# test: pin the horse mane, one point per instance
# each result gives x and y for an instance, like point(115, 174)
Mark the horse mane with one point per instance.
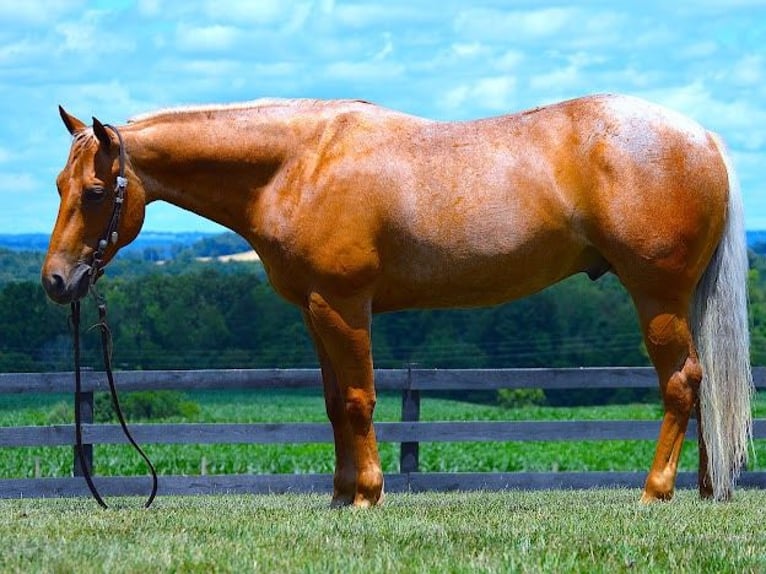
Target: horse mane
point(259, 104)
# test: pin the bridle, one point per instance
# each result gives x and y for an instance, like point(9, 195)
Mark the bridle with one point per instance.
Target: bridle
point(110, 236)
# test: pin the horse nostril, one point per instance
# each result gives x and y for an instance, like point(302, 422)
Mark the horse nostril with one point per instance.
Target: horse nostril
point(54, 284)
point(57, 282)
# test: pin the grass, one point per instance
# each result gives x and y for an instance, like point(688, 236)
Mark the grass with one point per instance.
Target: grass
point(579, 531)
point(575, 531)
point(308, 406)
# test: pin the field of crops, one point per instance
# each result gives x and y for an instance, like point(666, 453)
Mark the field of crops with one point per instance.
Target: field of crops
point(306, 406)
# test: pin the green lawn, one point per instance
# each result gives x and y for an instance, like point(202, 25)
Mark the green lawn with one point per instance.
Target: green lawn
point(580, 531)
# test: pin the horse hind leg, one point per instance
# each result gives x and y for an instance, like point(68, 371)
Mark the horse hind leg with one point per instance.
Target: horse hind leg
point(670, 345)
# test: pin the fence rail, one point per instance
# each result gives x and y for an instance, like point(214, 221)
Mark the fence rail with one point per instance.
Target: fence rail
point(409, 433)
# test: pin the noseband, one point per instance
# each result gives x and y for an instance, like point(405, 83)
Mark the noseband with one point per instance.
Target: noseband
point(110, 236)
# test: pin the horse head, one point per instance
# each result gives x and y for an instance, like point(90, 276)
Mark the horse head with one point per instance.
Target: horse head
point(101, 209)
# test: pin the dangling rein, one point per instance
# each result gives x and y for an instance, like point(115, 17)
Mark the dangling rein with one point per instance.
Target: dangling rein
point(106, 342)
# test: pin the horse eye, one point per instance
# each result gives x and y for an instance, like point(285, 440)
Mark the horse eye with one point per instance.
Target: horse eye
point(95, 193)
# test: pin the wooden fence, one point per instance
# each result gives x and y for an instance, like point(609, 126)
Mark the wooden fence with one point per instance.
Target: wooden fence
point(409, 433)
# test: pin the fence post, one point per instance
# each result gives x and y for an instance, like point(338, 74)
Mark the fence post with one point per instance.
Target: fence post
point(409, 453)
point(86, 416)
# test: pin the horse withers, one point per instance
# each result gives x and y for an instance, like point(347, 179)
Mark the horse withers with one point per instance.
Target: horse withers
point(355, 209)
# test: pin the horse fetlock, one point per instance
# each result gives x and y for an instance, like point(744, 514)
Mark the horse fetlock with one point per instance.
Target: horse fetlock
point(659, 486)
point(369, 488)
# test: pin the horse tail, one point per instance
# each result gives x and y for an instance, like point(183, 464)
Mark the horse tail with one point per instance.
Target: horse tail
point(721, 334)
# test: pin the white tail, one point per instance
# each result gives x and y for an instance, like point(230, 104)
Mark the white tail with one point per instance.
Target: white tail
point(721, 334)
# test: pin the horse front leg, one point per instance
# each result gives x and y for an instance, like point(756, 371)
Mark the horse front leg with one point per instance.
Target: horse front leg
point(344, 478)
point(342, 329)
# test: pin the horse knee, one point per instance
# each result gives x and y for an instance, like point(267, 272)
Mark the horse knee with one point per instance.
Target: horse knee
point(360, 405)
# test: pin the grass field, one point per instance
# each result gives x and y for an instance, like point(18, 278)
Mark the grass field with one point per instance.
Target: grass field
point(579, 531)
point(554, 531)
point(287, 406)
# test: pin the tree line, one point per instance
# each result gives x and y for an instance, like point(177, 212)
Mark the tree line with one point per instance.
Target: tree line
point(191, 315)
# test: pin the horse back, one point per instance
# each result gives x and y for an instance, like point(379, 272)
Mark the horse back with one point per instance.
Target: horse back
point(422, 213)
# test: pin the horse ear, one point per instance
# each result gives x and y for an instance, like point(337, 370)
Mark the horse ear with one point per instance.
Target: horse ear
point(102, 135)
point(72, 123)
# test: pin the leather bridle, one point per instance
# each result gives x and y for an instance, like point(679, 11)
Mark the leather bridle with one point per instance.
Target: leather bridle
point(110, 236)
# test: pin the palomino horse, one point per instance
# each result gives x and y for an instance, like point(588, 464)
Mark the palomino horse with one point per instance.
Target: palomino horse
point(355, 209)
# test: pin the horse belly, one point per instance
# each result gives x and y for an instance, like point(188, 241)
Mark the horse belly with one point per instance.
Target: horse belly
point(422, 275)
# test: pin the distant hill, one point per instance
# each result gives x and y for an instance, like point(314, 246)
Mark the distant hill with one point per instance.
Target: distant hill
point(21, 256)
point(165, 244)
point(757, 239)
point(24, 241)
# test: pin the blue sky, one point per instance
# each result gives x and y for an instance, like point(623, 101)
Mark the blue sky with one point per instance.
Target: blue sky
point(445, 60)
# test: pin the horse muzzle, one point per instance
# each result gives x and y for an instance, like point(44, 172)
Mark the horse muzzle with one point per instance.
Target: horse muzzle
point(66, 286)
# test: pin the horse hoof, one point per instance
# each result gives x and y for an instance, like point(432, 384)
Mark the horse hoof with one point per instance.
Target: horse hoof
point(362, 501)
point(341, 501)
point(651, 497)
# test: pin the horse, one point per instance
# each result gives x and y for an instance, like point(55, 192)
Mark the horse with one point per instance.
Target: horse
point(355, 209)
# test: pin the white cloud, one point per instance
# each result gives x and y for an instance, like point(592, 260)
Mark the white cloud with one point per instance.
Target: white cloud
point(211, 68)
point(749, 71)
point(504, 25)
point(36, 12)
point(702, 49)
point(467, 50)
point(260, 12)
point(386, 50)
point(15, 52)
point(556, 80)
point(599, 29)
point(214, 38)
point(149, 8)
point(18, 183)
point(741, 122)
point(490, 94)
point(365, 15)
point(510, 60)
point(244, 10)
point(327, 6)
point(719, 6)
point(496, 93)
point(363, 71)
point(109, 101)
point(632, 78)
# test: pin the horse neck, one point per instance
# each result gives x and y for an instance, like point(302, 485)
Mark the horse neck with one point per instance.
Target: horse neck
point(216, 163)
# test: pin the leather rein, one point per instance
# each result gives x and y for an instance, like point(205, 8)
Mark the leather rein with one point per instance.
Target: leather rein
point(110, 236)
